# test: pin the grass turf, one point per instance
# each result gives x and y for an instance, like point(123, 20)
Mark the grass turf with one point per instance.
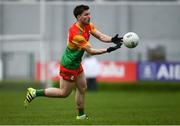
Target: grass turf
point(126, 104)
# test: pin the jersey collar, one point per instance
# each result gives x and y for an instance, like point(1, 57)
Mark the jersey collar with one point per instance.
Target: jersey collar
point(82, 29)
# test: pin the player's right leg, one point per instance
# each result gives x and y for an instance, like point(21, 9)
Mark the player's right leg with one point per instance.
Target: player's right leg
point(81, 86)
point(62, 92)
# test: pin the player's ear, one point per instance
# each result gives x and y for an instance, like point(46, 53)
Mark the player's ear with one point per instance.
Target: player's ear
point(78, 17)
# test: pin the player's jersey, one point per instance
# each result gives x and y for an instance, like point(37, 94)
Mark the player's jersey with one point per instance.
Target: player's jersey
point(76, 43)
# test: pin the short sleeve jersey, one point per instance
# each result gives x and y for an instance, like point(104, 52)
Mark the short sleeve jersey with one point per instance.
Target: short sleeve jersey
point(78, 39)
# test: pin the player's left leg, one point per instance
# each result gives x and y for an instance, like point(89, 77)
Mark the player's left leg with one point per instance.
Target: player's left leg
point(65, 89)
point(80, 95)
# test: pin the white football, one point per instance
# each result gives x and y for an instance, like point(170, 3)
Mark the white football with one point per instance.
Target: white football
point(130, 40)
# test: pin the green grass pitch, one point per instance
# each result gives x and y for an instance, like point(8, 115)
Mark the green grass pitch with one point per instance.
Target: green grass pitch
point(122, 105)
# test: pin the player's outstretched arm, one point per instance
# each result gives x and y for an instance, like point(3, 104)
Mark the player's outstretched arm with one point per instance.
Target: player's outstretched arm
point(102, 37)
point(93, 51)
point(105, 38)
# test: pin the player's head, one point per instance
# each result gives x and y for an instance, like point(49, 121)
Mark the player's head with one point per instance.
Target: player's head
point(82, 14)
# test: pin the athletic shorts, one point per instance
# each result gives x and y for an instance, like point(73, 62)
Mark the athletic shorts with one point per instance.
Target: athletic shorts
point(68, 74)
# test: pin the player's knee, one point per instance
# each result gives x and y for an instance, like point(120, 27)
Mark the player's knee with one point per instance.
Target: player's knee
point(84, 89)
point(64, 94)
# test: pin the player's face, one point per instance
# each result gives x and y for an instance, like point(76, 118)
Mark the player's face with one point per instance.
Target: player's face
point(84, 18)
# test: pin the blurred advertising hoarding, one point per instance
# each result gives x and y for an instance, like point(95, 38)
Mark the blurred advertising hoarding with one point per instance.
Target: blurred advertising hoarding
point(109, 71)
point(161, 71)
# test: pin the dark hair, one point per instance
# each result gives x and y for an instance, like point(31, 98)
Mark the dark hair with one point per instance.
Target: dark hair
point(78, 10)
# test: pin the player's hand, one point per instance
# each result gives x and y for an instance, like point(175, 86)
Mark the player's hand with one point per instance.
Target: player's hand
point(119, 44)
point(110, 49)
point(116, 39)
